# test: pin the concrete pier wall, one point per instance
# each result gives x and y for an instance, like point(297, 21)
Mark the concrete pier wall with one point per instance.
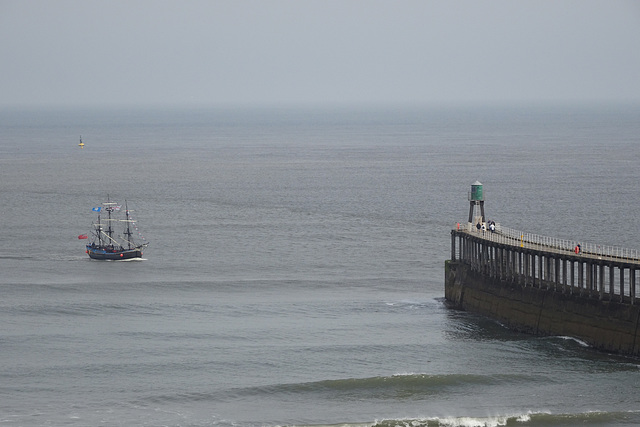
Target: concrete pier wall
point(543, 291)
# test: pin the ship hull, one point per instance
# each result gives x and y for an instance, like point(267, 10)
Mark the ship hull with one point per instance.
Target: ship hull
point(106, 254)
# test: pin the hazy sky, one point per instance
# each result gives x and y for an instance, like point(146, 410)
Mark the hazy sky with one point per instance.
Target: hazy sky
point(151, 52)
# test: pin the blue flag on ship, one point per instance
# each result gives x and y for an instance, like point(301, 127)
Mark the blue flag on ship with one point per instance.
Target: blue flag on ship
point(98, 209)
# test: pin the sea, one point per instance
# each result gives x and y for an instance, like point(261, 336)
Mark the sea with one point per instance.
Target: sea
point(295, 268)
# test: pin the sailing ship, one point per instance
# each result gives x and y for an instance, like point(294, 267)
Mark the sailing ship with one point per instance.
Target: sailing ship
point(106, 243)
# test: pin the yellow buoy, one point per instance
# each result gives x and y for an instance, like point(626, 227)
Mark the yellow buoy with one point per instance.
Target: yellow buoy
point(81, 143)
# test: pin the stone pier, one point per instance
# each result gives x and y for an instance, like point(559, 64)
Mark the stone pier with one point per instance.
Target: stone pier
point(547, 286)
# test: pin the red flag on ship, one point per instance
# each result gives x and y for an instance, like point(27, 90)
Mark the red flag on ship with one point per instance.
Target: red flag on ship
point(83, 236)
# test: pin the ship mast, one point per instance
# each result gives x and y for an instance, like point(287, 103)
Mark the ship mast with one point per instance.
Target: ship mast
point(128, 231)
point(110, 229)
point(99, 231)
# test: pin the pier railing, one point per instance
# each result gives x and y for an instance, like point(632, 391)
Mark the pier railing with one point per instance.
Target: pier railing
point(506, 235)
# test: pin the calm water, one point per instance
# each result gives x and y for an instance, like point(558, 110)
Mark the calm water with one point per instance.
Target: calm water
point(295, 268)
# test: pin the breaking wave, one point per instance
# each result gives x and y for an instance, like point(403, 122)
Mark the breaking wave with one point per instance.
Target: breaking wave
point(597, 418)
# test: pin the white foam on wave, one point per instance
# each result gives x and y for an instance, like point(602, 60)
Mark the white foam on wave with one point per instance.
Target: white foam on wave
point(582, 343)
point(473, 421)
point(457, 421)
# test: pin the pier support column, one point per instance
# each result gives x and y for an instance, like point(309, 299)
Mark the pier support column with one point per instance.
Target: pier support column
point(632, 285)
point(453, 247)
point(548, 270)
point(540, 281)
point(467, 249)
point(521, 275)
point(532, 272)
point(487, 259)
point(600, 280)
point(474, 255)
point(463, 248)
point(573, 277)
point(621, 284)
point(507, 263)
point(540, 259)
point(512, 265)
point(581, 277)
point(612, 281)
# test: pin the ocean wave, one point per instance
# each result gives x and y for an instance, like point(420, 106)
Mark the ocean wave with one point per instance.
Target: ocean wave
point(400, 386)
point(87, 309)
point(525, 419)
point(403, 380)
point(576, 340)
point(404, 386)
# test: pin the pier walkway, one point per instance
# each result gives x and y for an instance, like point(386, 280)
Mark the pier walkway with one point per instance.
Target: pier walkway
point(603, 272)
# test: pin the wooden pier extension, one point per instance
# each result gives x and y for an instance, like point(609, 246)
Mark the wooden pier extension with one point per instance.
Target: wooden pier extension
point(545, 286)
